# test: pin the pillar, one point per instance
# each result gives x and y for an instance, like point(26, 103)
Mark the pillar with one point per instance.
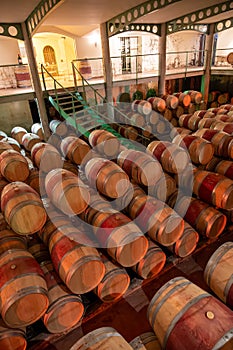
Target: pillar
point(207, 73)
point(162, 59)
point(36, 82)
point(107, 65)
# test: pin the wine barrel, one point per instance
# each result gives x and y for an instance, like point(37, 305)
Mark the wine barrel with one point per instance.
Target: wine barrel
point(184, 99)
point(65, 309)
point(14, 144)
point(164, 188)
point(158, 104)
point(173, 158)
point(75, 260)
point(29, 140)
point(51, 225)
point(102, 338)
point(66, 191)
point(10, 240)
point(200, 150)
point(225, 127)
point(136, 119)
point(215, 189)
point(207, 123)
point(13, 166)
point(142, 107)
point(37, 129)
point(68, 165)
point(196, 96)
point(23, 289)
point(114, 283)
point(147, 130)
point(17, 133)
point(122, 238)
point(171, 101)
point(208, 221)
point(22, 208)
point(152, 263)
point(189, 121)
point(46, 157)
point(224, 167)
point(182, 313)
point(3, 135)
point(218, 273)
point(12, 339)
point(223, 143)
point(167, 114)
point(146, 341)
point(59, 128)
point(38, 249)
point(75, 149)
point(128, 132)
point(187, 243)
point(107, 177)
point(55, 141)
point(156, 218)
point(104, 142)
point(140, 167)
point(178, 111)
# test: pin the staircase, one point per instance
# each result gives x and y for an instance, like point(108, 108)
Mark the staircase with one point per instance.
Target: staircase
point(73, 107)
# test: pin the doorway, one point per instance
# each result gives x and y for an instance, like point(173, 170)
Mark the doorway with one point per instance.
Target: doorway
point(50, 60)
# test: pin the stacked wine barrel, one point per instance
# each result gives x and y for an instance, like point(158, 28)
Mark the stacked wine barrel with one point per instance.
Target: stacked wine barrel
point(81, 216)
point(156, 115)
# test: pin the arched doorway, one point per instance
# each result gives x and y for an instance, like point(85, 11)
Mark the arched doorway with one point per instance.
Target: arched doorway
point(50, 60)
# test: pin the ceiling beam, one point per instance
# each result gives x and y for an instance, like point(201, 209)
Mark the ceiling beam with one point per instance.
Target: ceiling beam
point(11, 30)
point(117, 23)
point(39, 13)
point(197, 16)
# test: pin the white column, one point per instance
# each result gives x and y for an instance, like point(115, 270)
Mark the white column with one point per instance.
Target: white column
point(36, 82)
point(162, 59)
point(107, 66)
point(207, 73)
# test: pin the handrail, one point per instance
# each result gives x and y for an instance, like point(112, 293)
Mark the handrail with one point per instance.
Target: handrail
point(84, 81)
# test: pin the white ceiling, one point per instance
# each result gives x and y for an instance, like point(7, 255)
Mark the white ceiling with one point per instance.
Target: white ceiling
point(78, 17)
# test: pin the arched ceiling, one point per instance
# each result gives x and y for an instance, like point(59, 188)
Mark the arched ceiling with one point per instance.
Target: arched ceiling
point(78, 17)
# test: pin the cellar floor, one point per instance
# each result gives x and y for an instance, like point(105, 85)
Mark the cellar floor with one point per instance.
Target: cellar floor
point(129, 314)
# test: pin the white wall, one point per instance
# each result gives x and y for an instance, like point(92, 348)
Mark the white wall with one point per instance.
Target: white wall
point(178, 42)
point(9, 49)
point(225, 39)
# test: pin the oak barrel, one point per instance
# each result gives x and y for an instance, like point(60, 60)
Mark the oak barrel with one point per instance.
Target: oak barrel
point(46, 157)
point(10, 240)
point(207, 220)
point(218, 273)
point(104, 142)
point(13, 143)
point(200, 150)
point(23, 289)
point(65, 309)
point(102, 338)
point(146, 341)
point(66, 191)
point(152, 263)
point(22, 208)
point(75, 149)
point(29, 140)
point(12, 338)
point(107, 177)
point(13, 166)
point(173, 158)
point(158, 104)
point(156, 218)
point(115, 282)
point(37, 129)
point(182, 314)
point(140, 167)
point(187, 243)
point(213, 188)
point(59, 128)
point(17, 133)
